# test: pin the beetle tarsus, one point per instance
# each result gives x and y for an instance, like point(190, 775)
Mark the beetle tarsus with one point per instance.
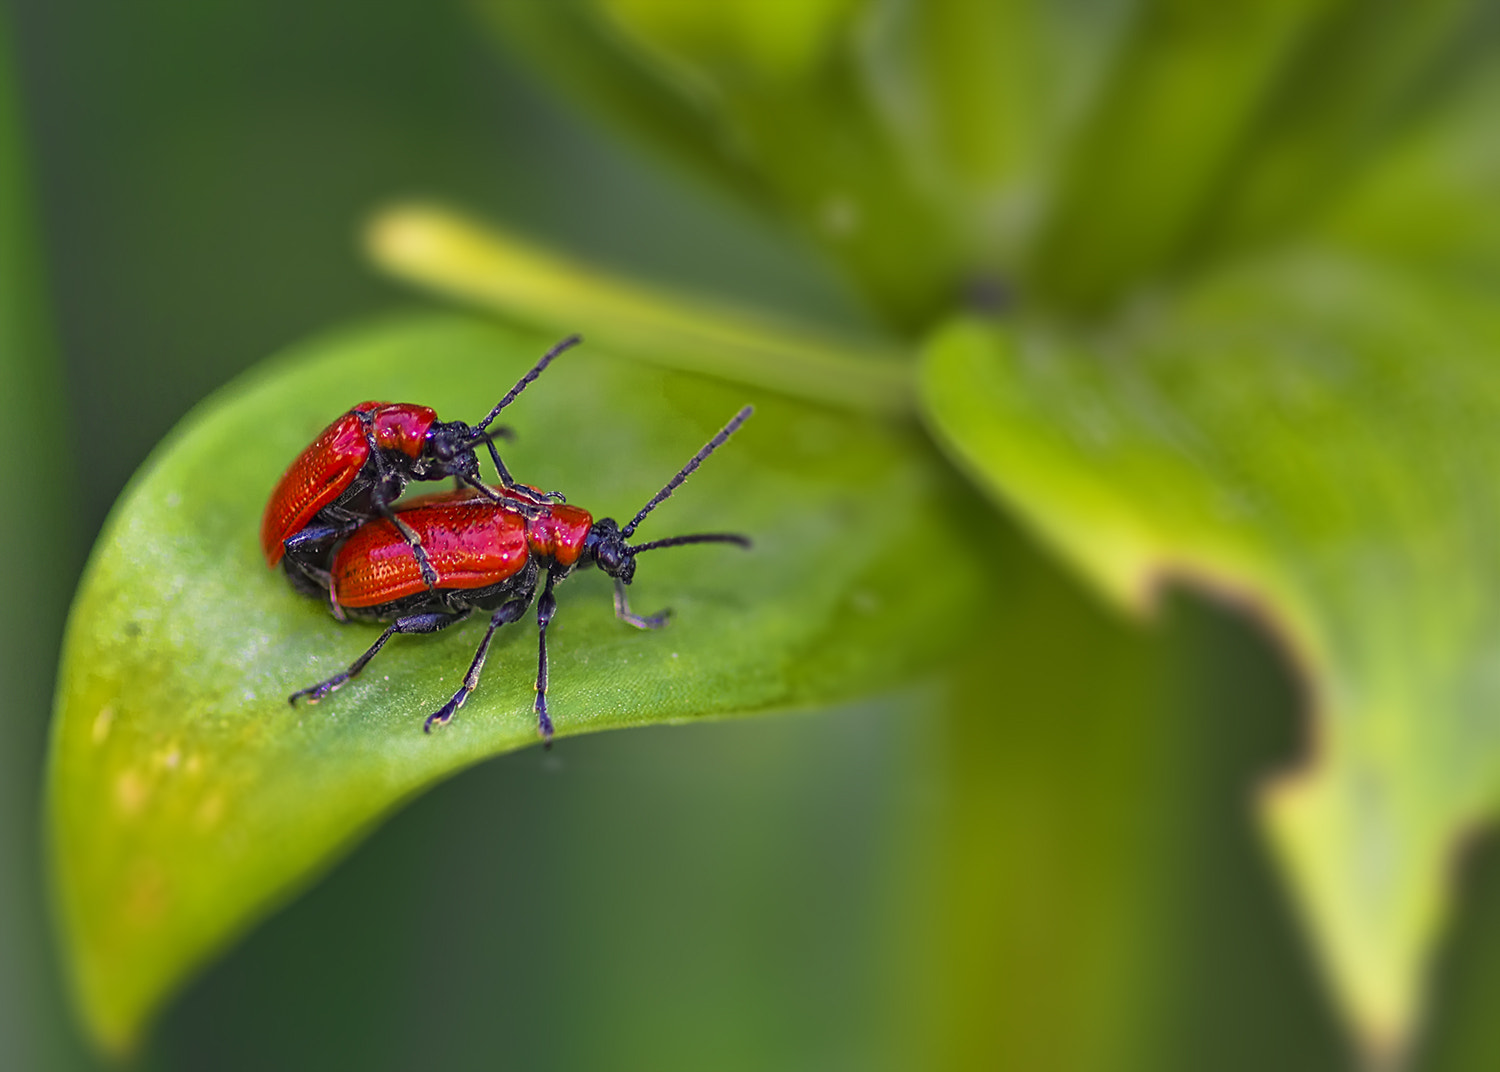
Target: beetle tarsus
point(546, 607)
point(543, 721)
point(429, 575)
point(507, 613)
point(320, 690)
point(412, 623)
point(640, 621)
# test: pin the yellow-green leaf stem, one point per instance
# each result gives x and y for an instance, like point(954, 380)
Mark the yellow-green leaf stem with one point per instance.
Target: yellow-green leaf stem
point(188, 798)
point(1316, 437)
point(444, 251)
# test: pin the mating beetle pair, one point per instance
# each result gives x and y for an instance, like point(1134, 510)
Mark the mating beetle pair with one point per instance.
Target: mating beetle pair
point(359, 466)
point(429, 563)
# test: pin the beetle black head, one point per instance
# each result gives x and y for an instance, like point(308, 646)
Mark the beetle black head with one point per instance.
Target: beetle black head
point(607, 541)
point(449, 451)
point(609, 550)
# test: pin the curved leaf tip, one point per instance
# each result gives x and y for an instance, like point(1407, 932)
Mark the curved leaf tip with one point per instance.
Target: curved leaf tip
point(187, 797)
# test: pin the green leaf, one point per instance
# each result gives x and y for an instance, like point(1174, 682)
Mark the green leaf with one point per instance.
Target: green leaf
point(1312, 437)
point(747, 39)
point(567, 42)
point(786, 121)
point(983, 97)
point(188, 797)
point(1361, 80)
point(1190, 82)
point(1429, 198)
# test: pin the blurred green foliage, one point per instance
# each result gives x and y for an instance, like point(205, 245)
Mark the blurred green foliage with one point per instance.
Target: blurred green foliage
point(1291, 485)
point(1053, 866)
point(1191, 208)
point(40, 551)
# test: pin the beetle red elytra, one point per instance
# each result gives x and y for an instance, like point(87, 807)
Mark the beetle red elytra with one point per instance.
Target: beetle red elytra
point(490, 556)
point(360, 464)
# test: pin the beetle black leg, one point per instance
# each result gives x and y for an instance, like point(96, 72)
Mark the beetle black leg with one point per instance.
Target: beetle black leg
point(429, 575)
point(500, 432)
point(623, 612)
point(301, 552)
point(529, 507)
point(507, 613)
point(546, 606)
point(510, 481)
point(367, 422)
point(382, 505)
point(412, 623)
point(307, 579)
point(505, 477)
point(318, 538)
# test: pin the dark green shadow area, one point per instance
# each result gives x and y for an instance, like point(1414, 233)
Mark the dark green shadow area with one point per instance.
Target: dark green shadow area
point(1102, 899)
point(39, 554)
point(1462, 1032)
point(654, 899)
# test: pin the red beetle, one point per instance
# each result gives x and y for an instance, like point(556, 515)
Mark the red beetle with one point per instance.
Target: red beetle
point(359, 466)
point(489, 557)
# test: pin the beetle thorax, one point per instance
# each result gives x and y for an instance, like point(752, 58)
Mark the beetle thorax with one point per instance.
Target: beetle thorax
point(403, 427)
point(558, 533)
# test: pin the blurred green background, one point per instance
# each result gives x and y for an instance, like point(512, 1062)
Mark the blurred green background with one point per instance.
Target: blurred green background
point(1060, 872)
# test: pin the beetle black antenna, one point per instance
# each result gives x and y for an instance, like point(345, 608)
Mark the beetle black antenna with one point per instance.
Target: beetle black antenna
point(503, 432)
point(525, 382)
point(700, 537)
point(682, 474)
